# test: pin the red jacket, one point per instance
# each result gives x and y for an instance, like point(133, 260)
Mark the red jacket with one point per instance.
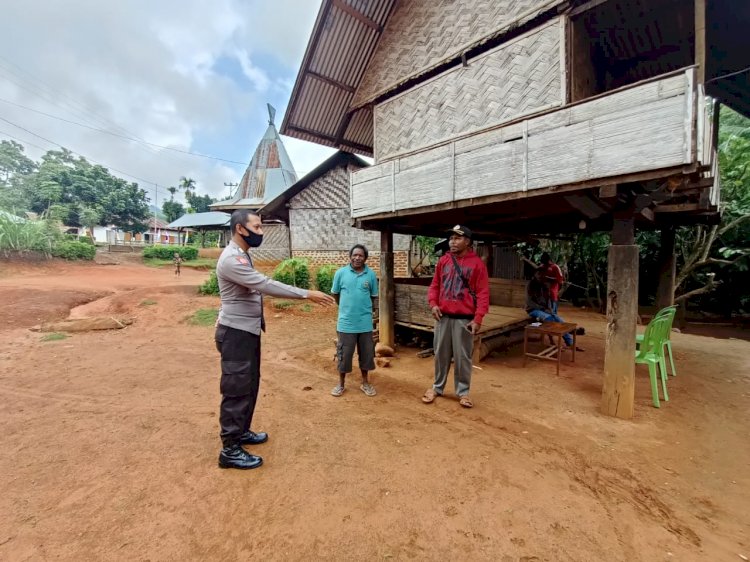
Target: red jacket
point(554, 277)
point(449, 293)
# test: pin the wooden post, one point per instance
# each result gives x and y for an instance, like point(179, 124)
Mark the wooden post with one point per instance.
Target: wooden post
point(618, 389)
point(700, 40)
point(667, 268)
point(387, 322)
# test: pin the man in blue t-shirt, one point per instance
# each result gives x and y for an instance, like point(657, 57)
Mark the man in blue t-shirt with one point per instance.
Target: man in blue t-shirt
point(354, 287)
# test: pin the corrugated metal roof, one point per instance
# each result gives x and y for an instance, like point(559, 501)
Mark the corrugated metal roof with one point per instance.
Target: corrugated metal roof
point(343, 40)
point(269, 173)
point(197, 220)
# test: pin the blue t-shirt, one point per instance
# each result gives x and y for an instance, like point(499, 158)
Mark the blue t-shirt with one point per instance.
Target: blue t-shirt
point(355, 290)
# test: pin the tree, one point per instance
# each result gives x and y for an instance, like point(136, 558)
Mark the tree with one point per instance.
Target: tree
point(711, 255)
point(198, 203)
point(13, 161)
point(90, 217)
point(172, 210)
point(68, 184)
point(172, 190)
point(188, 185)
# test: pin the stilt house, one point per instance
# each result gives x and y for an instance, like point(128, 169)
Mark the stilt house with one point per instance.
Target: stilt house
point(529, 116)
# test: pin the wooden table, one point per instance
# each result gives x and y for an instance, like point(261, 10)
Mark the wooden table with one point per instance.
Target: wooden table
point(552, 352)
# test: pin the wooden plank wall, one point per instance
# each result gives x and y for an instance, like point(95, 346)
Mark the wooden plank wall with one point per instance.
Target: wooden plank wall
point(640, 128)
point(412, 306)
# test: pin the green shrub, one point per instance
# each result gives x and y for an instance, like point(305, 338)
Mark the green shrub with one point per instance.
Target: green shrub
point(324, 278)
point(160, 252)
point(282, 305)
point(18, 235)
point(294, 271)
point(211, 286)
point(70, 250)
point(87, 240)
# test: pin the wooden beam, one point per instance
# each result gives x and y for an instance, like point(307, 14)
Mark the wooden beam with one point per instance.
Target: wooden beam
point(677, 208)
point(585, 7)
point(330, 81)
point(700, 40)
point(359, 16)
point(345, 120)
point(608, 191)
point(387, 293)
point(329, 138)
point(618, 388)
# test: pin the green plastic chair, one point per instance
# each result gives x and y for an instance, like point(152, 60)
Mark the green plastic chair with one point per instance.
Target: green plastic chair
point(651, 353)
point(667, 312)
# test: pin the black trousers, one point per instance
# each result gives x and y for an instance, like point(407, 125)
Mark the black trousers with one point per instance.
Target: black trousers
point(240, 381)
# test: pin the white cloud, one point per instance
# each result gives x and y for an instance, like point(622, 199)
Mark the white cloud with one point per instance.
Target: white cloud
point(148, 69)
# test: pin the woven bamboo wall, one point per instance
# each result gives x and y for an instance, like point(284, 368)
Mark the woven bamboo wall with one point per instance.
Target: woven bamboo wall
point(516, 79)
point(320, 219)
point(646, 127)
point(275, 245)
point(420, 34)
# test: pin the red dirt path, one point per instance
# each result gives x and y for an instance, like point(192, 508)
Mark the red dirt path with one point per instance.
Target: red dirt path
point(110, 441)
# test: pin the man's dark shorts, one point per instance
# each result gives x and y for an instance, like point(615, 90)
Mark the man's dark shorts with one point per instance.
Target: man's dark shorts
point(365, 351)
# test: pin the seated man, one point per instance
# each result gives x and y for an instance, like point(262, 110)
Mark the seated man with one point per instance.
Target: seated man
point(538, 303)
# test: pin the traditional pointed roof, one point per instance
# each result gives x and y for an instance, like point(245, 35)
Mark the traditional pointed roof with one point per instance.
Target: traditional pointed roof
point(269, 174)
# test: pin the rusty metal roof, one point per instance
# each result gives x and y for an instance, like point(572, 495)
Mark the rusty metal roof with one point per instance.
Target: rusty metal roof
point(268, 175)
point(343, 40)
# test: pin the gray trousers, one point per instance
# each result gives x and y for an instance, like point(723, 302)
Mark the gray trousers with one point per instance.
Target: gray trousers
point(453, 341)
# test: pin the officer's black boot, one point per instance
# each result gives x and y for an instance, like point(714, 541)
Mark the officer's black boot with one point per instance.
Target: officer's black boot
point(234, 456)
point(252, 438)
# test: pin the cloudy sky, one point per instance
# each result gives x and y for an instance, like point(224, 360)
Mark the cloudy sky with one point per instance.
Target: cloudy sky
point(188, 74)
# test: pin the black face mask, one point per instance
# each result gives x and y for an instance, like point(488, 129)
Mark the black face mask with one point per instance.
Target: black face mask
point(252, 239)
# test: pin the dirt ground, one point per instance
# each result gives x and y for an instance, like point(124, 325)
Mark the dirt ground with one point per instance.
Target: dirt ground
point(110, 442)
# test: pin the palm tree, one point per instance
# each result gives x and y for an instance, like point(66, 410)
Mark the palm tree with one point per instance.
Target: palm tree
point(187, 184)
point(172, 190)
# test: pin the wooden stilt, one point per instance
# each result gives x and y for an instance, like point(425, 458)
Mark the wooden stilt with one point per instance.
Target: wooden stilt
point(618, 388)
point(667, 269)
point(387, 322)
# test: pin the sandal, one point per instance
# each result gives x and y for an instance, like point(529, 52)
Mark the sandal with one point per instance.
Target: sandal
point(466, 402)
point(337, 391)
point(368, 389)
point(429, 396)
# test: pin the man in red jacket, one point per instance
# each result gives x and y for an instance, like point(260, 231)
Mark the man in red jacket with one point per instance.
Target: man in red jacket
point(554, 278)
point(459, 297)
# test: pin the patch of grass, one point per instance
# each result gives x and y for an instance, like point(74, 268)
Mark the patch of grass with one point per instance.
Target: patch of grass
point(204, 317)
point(55, 336)
point(148, 302)
point(306, 308)
point(282, 305)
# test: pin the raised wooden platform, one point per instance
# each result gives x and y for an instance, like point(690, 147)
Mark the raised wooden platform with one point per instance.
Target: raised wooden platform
point(413, 311)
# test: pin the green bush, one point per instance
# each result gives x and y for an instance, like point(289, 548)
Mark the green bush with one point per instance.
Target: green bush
point(18, 235)
point(160, 252)
point(86, 240)
point(324, 278)
point(70, 250)
point(211, 286)
point(294, 271)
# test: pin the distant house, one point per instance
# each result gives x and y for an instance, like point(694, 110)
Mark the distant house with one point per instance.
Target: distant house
point(317, 212)
point(159, 232)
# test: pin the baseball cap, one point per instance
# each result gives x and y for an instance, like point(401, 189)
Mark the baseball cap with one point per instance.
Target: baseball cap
point(461, 230)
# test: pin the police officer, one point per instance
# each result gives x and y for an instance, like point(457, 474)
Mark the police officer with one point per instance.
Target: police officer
point(238, 336)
